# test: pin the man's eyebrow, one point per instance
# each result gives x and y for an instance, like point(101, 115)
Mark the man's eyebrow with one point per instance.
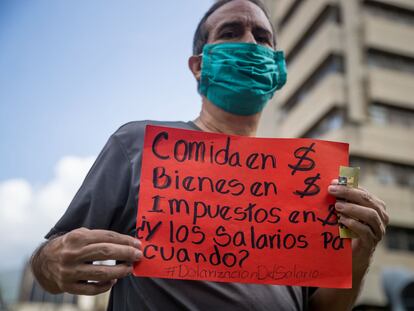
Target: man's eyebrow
point(263, 30)
point(230, 24)
point(238, 24)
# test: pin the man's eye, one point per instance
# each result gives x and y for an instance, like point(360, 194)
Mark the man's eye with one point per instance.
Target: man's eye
point(262, 39)
point(228, 34)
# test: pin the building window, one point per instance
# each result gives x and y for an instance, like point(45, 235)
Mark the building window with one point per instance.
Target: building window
point(400, 238)
point(387, 115)
point(378, 114)
point(332, 121)
point(388, 174)
point(389, 11)
point(329, 14)
point(382, 59)
point(333, 64)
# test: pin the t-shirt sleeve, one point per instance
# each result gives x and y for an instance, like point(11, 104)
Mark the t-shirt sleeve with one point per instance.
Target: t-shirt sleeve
point(103, 193)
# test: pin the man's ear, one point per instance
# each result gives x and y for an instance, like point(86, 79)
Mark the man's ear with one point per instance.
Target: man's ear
point(194, 63)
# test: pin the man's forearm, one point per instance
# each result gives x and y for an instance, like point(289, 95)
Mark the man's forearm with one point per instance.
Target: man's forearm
point(333, 299)
point(338, 299)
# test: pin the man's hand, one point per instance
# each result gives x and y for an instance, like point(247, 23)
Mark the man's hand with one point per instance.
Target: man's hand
point(64, 264)
point(365, 215)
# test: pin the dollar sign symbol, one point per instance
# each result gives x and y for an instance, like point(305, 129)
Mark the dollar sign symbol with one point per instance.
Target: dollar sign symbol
point(331, 219)
point(305, 163)
point(311, 189)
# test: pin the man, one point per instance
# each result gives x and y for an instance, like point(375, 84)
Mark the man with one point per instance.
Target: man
point(240, 53)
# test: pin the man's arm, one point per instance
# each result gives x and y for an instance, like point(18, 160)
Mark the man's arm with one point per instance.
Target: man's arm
point(366, 215)
point(338, 299)
point(64, 264)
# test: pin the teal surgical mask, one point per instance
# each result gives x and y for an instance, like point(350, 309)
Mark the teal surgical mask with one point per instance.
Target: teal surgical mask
point(241, 78)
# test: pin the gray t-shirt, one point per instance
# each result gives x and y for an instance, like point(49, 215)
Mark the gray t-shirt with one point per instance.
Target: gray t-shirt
point(108, 200)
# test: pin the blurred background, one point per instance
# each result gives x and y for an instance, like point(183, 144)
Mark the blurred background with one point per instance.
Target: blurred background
point(351, 79)
point(72, 72)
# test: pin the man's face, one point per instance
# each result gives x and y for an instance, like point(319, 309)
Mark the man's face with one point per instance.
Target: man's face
point(240, 21)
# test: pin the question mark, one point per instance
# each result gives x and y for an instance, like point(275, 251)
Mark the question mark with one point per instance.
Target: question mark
point(243, 258)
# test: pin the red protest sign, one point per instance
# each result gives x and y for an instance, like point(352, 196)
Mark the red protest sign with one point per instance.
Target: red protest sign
point(239, 209)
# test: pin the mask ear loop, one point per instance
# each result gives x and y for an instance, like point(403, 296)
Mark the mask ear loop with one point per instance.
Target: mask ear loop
point(201, 62)
point(281, 69)
point(201, 66)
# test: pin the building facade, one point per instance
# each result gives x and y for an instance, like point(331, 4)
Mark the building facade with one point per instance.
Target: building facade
point(351, 79)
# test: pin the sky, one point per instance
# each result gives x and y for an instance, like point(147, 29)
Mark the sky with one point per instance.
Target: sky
point(71, 73)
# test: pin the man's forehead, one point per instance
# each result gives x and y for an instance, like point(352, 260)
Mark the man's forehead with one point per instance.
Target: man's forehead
point(244, 12)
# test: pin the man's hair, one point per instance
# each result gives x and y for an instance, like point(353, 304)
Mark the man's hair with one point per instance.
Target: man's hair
point(201, 34)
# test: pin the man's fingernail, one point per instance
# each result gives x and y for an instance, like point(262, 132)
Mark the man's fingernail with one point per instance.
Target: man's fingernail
point(137, 244)
point(333, 189)
point(339, 206)
point(138, 255)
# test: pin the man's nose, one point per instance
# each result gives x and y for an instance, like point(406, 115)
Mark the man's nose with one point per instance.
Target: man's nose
point(248, 37)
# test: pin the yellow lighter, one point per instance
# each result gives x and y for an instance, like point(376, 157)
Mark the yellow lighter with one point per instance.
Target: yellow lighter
point(348, 176)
